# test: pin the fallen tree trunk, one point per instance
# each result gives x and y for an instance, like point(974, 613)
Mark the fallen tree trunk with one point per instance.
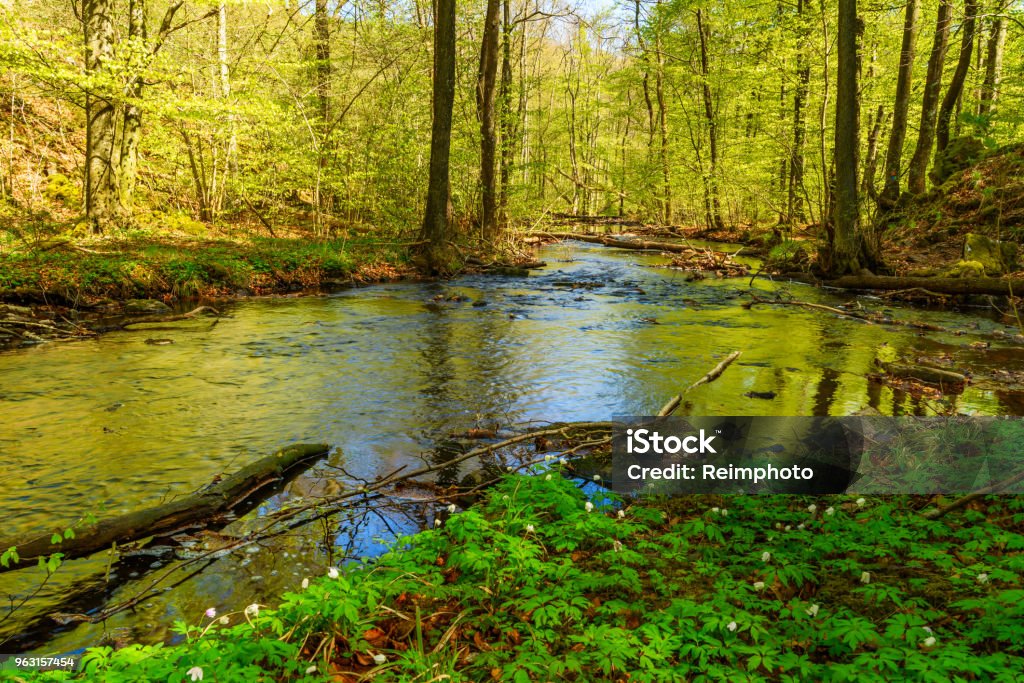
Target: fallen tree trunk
point(923, 373)
point(939, 285)
point(211, 508)
point(636, 243)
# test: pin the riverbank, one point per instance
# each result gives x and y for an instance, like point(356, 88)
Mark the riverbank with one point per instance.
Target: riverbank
point(540, 582)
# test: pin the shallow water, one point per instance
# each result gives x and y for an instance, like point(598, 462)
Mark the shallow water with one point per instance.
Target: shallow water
point(386, 372)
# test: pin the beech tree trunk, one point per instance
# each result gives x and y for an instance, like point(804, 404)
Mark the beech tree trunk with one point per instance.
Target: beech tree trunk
point(894, 153)
point(101, 161)
point(659, 89)
point(437, 216)
point(715, 219)
point(506, 119)
point(956, 84)
point(846, 244)
point(795, 205)
point(993, 66)
point(933, 86)
point(486, 86)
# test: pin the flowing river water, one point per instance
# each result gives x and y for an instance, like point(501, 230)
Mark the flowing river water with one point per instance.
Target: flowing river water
point(384, 374)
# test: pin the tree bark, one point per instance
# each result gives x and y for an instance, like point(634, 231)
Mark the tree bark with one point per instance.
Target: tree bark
point(437, 216)
point(704, 32)
point(993, 66)
point(846, 244)
point(795, 208)
point(211, 508)
point(933, 85)
point(485, 91)
point(894, 154)
point(867, 184)
point(507, 121)
point(956, 84)
point(101, 195)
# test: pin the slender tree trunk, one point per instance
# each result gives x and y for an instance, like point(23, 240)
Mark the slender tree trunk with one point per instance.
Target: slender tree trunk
point(709, 114)
point(993, 66)
point(322, 48)
point(932, 88)
point(894, 154)
point(659, 88)
point(867, 185)
point(507, 121)
point(846, 244)
point(795, 208)
point(437, 217)
point(486, 86)
point(956, 84)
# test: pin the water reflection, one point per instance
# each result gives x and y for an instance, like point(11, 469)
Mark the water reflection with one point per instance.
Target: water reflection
point(387, 374)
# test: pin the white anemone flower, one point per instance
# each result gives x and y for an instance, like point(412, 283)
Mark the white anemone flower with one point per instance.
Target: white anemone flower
point(621, 514)
point(759, 585)
point(379, 659)
point(195, 673)
point(812, 611)
point(332, 573)
point(311, 669)
point(732, 626)
point(865, 577)
point(451, 508)
point(812, 508)
point(597, 477)
point(929, 641)
point(211, 613)
point(589, 507)
point(305, 584)
point(252, 610)
point(530, 528)
point(766, 556)
point(830, 511)
point(983, 578)
point(861, 502)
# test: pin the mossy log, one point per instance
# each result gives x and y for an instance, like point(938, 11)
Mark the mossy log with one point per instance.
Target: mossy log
point(210, 508)
point(970, 285)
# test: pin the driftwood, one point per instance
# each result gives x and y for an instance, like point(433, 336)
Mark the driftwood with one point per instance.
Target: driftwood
point(923, 373)
point(211, 508)
point(714, 374)
point(936, 513)
point(938, 285)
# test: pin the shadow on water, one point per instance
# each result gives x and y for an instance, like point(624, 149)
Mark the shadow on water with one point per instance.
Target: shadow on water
point(391, 375)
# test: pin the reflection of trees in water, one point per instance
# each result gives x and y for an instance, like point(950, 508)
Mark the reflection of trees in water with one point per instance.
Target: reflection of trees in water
point(462, 362)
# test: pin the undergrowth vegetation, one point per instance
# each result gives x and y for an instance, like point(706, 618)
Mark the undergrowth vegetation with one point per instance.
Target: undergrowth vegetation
point(541, 583)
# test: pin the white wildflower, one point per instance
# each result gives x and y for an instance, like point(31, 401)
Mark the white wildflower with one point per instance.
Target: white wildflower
point(778, 525)
point(589, 507)
point(801, 526)
point(789, 527)
point(861, 502)
point(547, 477)
point(929, 641)
point(305, 584)
point(211, 613)
point(714, 511)
point(451, 508)
point(983, 578)
point(509, 468)
point(759, 585)
point(530, 528)
point(379, 659)
point(812, 611)
point(548, 457)
point(725, 512)
point(561, 461)
point(732, 626)
point(621, 514)
point(812, 508)
point(865, 577)
point(927, 629)
point(617, 545)
point(830, 511)
point(766, 556)
point(252, 610)
point(311, 669)
point(597, 477)
point(437, 522)
point(225, 620)
point(332, 573)
point(195, 673)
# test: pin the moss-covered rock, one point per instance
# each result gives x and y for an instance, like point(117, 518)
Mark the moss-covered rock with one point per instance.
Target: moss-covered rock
point(145, 306)
point(959, 154)
point(995, 257)
point(966, 269)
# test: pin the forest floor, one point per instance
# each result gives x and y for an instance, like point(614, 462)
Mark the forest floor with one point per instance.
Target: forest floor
point(537, 582)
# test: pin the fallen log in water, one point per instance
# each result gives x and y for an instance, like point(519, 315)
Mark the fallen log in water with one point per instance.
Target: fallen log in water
point(211, 508)
point(938, 285)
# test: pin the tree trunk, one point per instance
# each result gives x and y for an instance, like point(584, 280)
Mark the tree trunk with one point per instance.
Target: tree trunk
point(485, 90)
point(993, 66)
point(101, 196)
point(437, 216)
point(709, 114)
point(507, 121)
point(795, 207)
point(211, 508)
point(845, 249)
point(659, 89)
point(867, 184)
point(956, 85)
point(894, 154)
point(929, 105)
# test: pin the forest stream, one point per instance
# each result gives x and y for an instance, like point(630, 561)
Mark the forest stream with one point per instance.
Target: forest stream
point(386, 373)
